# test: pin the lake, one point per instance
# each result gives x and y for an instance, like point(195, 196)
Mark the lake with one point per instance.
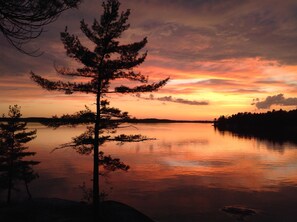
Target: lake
point(188, 173)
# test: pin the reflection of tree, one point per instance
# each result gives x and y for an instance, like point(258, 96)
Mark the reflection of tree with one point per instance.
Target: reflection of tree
point(109, 62)
point(13, 167)
point(271, 141)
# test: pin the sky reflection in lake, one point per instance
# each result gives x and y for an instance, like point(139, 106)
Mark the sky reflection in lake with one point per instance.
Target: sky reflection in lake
point(188, 173)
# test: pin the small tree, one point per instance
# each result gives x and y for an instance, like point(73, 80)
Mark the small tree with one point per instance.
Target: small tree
point(13, 166)
point(109, 62)
point(22, 21)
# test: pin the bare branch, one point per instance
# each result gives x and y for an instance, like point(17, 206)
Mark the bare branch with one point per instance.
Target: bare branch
point(23, 21)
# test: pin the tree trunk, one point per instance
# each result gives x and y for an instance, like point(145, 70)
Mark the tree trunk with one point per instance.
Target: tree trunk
point(9, 188)
point(28, 191)
point(96, 161)
point(10, 172)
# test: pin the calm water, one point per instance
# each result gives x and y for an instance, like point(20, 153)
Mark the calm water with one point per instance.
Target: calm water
point(187, 174)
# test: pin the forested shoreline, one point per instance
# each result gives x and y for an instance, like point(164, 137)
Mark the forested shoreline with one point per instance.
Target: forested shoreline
point(46, 120)
point(276, 126)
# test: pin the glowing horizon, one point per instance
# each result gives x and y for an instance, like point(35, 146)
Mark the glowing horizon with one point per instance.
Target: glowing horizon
point(242, 59)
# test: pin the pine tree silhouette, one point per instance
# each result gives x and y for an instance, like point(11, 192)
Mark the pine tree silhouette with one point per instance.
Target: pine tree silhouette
point(13, 152)
point(107, 63)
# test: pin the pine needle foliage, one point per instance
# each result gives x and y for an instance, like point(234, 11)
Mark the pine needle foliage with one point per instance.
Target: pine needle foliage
point(14, 165)
point(107, 64)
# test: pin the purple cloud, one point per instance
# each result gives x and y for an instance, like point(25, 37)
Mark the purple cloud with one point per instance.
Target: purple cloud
point(175, 100)
point(275, 100)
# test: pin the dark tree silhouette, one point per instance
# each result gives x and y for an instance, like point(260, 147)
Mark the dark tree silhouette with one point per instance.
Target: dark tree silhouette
point(13, 166)
point(270, 119)
point(109, 62)
point(22, 21)
point(275, 126)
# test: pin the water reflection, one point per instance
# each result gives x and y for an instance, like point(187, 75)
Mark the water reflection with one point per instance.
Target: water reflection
point(276, 139)
point(195, 179)
point(187, 174)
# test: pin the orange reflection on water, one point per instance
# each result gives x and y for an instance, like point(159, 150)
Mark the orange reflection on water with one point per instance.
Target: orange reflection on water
point(196, 150)
point(184, 154)
point(187, 174)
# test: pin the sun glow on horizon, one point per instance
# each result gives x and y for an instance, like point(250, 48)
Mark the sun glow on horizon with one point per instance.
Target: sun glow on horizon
point(215, 67)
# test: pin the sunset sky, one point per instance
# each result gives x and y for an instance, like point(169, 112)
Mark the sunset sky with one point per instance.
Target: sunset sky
point(222, 56)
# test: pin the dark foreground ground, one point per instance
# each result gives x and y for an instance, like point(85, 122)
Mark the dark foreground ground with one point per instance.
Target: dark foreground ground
point(58, 210)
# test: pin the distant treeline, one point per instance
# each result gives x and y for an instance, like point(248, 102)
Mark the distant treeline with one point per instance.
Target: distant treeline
point(46, 121)
point(276, 126)
point(268, 119)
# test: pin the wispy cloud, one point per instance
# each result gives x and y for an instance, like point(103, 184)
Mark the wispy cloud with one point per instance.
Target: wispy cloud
point(275, 100)
point(175, 100)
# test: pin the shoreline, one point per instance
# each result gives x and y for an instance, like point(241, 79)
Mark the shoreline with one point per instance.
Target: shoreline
point(57, 210)
point(59, 120)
